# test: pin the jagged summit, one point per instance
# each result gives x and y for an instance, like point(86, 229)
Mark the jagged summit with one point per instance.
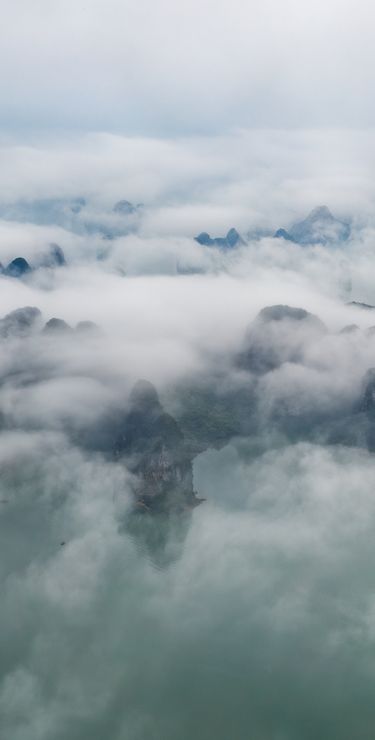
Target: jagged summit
point(319, 227)
point(152, 443)
point(283, 234)
point(231, 240)
point(233, 237)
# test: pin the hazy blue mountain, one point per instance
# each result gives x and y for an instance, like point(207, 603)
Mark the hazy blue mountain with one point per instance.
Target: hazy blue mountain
point(231, 240)
point(73, 214)
point(20, 322)
point(124, 208)
point(44, 211)
point(320, 227)
point(17, 268)
point(277, 335)
point(53, 258)
point(283, 234)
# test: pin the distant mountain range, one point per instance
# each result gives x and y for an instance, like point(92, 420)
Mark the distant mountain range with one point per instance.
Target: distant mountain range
point(319, 227)
point(80, 217)
point(75, 214)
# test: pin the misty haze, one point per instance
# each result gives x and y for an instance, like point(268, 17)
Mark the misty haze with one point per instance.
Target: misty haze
point(187, 370)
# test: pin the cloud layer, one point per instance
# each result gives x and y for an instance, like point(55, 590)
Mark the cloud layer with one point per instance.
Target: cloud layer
point(254, 613)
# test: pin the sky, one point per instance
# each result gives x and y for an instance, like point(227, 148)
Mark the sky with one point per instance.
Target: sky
point(186, 68)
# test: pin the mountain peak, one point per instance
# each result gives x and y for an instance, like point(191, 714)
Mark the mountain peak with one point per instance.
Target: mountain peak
point(17, 268)
point(320, 212)
point(319, 227)
point(144, 395)
point(232, 239)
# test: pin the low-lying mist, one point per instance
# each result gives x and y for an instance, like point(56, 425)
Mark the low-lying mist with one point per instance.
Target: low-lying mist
point(187, 437)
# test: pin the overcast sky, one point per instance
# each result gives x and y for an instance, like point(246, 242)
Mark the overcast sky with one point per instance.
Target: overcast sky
point(160, 67)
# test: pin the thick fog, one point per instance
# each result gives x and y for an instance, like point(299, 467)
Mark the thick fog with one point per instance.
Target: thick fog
point(129, 611)
point(263, 625)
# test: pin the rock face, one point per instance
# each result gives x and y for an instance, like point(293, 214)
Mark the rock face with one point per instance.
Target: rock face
point(17, 268)
point(320, 227)
point(279, 334)
point(153, 446)
point(20, 322)
point(231, 240)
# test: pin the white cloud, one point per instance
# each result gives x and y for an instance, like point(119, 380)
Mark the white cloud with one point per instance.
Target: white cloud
point(187, 66)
